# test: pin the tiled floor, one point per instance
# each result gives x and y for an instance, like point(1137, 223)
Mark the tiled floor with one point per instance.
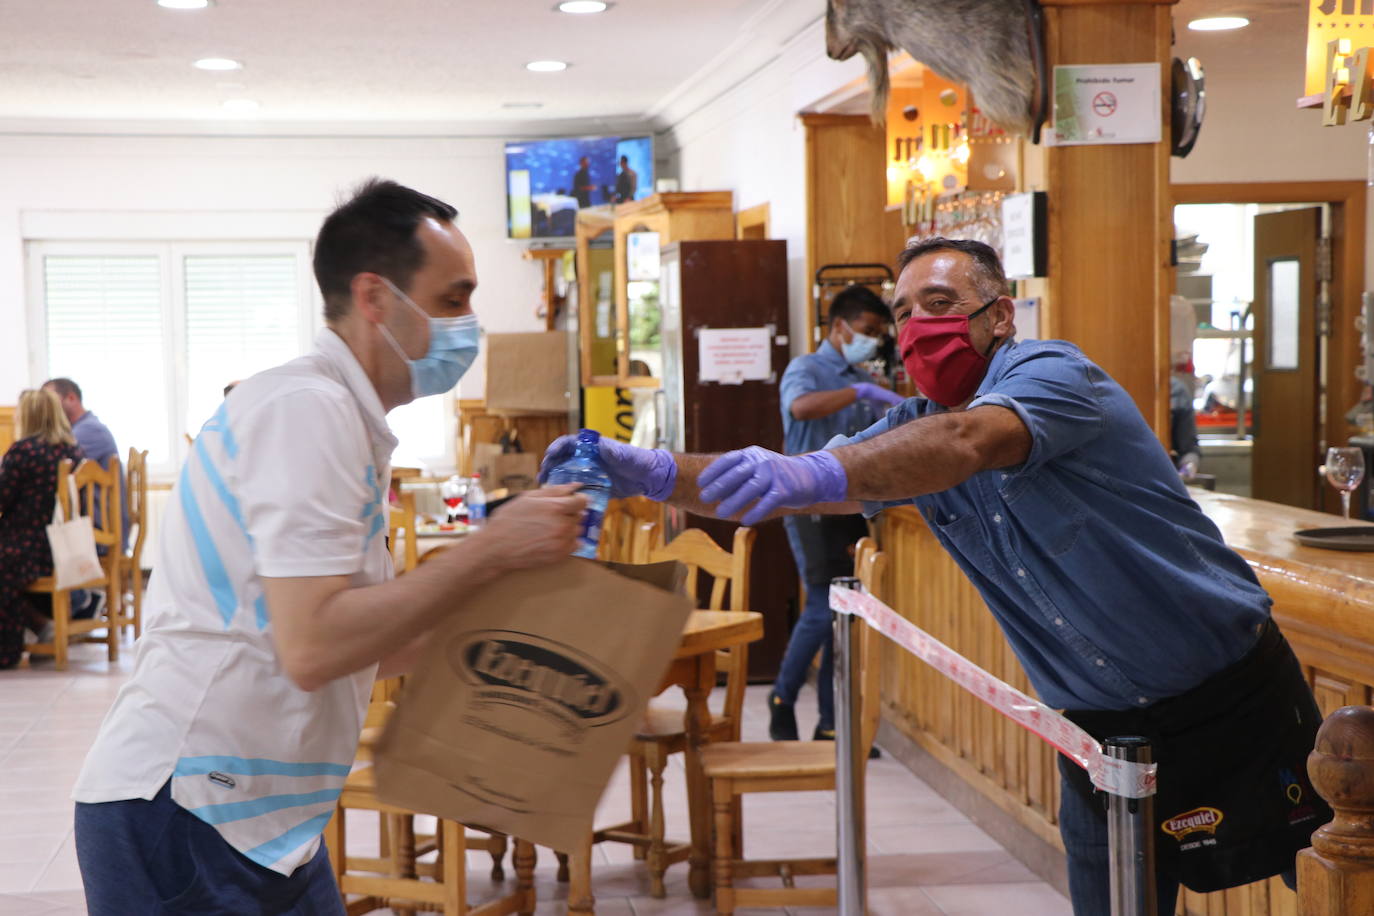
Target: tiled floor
point(925, 858)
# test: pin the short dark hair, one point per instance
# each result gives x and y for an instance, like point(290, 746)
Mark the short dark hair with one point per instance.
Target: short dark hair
point(987, 273)
point(852, 301)
point(373, 231)
point(63, 387)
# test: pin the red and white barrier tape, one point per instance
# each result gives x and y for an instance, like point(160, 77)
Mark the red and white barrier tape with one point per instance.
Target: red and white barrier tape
point(1119, 777)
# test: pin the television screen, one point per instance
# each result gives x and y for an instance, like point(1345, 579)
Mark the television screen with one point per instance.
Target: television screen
point(548, 181)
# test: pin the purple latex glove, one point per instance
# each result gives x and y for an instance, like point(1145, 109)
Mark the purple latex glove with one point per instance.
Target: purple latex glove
point(868, 391)
point(736, 479)
point(650, 472)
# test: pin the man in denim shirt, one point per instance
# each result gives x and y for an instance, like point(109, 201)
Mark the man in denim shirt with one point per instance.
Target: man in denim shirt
point(1124, 606)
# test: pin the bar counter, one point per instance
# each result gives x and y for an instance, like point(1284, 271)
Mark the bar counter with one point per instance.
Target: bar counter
point(1006, 779)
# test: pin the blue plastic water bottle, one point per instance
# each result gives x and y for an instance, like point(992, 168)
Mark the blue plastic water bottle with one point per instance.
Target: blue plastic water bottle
point(585, 468)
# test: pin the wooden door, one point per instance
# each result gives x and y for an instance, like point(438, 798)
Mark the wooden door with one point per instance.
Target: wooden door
point(738, 284)
point(1286, 356)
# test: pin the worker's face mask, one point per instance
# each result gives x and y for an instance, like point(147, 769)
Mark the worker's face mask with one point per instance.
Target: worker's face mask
point(940, 356)
point(860, 348)
point(453, 345)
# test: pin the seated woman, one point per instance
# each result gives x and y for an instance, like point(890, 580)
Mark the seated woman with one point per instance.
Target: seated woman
point(28, 484)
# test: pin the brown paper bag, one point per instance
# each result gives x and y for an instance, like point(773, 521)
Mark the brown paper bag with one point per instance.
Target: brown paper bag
point(526, 699)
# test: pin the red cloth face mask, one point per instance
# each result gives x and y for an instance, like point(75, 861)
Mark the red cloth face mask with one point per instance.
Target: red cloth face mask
point(941, 358)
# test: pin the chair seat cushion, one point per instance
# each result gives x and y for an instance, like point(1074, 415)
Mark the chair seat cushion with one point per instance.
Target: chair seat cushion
point(762, 759)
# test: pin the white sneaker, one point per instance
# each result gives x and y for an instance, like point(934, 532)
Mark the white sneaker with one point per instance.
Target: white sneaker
point(49, 632)
point(30, 637)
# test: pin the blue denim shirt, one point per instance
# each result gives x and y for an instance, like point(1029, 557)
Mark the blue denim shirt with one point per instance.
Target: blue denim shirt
point(1112, 587)
point(824, 370)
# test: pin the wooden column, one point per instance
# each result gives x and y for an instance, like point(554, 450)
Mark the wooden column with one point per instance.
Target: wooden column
point(1110, 212)
point(846, 193)
point(1336, 876)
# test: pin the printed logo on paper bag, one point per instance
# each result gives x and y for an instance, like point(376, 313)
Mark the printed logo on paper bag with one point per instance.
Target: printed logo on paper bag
point(1203, 820)
point(556, 682)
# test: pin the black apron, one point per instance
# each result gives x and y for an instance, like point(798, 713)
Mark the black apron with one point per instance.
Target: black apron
point(1234, 803)
point(825, 543)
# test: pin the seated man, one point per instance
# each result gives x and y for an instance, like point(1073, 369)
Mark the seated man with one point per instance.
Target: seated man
point(1039, 476)
point(97, 444)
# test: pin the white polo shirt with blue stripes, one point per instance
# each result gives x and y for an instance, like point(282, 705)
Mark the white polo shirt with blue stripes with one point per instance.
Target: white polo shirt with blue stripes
point(287, 479)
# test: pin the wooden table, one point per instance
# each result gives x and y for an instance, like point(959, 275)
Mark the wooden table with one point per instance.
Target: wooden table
point(694, 670)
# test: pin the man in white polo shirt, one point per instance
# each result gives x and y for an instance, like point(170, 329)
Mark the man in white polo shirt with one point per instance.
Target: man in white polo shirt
point(273, 604)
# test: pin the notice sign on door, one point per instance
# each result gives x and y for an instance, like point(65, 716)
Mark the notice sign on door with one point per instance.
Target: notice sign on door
point(734, 355)
point(1112, 103)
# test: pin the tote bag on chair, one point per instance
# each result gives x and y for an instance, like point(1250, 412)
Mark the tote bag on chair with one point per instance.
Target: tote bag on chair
point(74, 561)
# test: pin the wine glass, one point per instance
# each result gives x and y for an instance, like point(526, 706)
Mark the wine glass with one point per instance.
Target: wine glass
point(1345, 470)
point(452, 491)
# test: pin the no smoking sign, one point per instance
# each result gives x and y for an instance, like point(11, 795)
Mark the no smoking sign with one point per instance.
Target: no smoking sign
point(1104, 104)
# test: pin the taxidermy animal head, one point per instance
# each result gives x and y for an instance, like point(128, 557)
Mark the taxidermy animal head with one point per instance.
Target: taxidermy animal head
point(982, 44)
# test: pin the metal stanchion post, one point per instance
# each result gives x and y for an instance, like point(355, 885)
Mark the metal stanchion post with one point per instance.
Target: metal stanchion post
point(1130, 837)
point(850, 835)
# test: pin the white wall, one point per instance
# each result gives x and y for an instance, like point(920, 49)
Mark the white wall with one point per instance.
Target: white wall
point(227, 187)
point(749, 140)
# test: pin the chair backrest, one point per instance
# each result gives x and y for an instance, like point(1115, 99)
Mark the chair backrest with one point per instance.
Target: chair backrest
point(728, 571)
point(97, 486)
point(403, 518)
point(620, 527)
point(382, 701)
point(136, 492)
point(870, 565)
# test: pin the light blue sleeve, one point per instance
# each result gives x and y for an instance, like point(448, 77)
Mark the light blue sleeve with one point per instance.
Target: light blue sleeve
point(797, 380)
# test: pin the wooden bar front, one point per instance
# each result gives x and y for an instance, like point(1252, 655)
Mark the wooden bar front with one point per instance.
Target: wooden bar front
point(1323, 600)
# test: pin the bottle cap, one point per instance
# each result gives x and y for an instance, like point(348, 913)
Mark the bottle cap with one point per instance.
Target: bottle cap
point(588, 435)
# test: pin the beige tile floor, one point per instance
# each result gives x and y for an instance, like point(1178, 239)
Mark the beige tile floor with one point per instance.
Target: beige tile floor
point(924, 857)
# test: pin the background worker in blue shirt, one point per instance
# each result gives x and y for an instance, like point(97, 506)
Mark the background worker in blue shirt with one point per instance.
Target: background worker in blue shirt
point(1039, 476)
point(823, 395)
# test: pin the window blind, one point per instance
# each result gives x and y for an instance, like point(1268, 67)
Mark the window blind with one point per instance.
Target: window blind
point(242, 317)
point(105, 332)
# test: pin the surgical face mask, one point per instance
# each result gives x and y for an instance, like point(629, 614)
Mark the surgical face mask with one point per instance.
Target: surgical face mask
point(861, 348)
point(453, 344)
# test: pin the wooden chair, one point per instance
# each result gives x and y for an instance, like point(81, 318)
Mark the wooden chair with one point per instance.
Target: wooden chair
point(403, 519)
point(737, 768)
point(663, 732)
point(399, 881)
point(621, 524)
point(94, 485)
point(131, 563)
point(398, 845)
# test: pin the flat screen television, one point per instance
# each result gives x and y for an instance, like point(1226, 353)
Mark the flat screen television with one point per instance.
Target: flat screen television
point(548, 181)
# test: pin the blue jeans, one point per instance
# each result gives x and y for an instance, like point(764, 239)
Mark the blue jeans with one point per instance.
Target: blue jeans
point(820, 547)
point(812, 633)
point(156, 858)
point(1083, 827)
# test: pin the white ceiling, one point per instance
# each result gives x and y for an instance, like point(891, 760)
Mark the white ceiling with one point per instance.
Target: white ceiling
point(416, 61)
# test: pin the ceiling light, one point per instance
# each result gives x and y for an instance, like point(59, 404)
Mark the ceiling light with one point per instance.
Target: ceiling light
point(183, 4)
point(240, 105)
point(522, 104)
point(546, 66)
point(1218, 24)
point(218, 63)
point(582, 6)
